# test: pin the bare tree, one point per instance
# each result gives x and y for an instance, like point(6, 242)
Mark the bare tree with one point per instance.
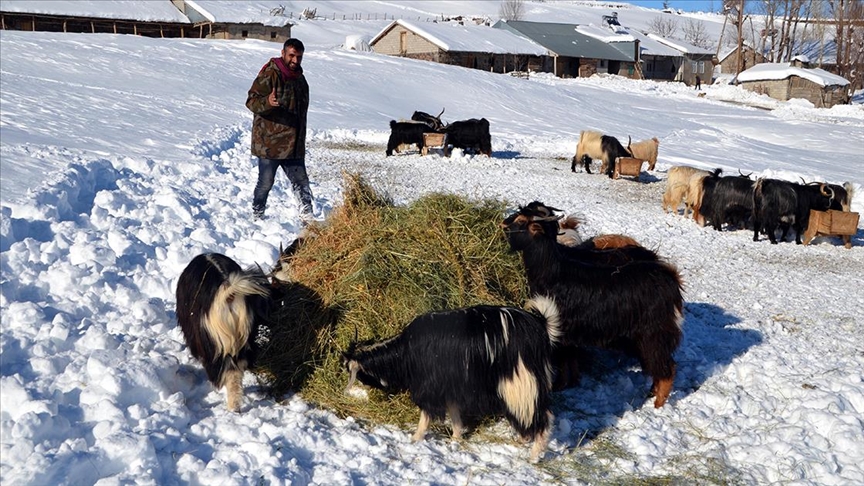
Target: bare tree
point(696, 33)
point(512, 9)
point(848, 18)
point(663, 26)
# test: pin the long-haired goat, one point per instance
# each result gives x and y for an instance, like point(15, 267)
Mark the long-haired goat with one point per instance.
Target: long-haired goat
point(783, 204)
point(470, 362)
point(219, 307)
point(604, 300)
point(726, 199)
point(680, 182)
point(645, 150)
point(595, 145)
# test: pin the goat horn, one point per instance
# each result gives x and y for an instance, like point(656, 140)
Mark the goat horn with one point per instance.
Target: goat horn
point(442, 112)
point(353, 367)
point(822, 188)
point(546, 218)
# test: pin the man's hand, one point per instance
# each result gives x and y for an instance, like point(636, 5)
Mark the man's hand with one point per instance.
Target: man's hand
point(271, 100)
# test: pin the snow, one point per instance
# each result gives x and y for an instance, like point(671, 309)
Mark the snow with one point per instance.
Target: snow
point(605, 34)
point(680, 45)
point(782, 70)
point(107, 9)
point(242, 12)
point(467, 37)
point(123, 157)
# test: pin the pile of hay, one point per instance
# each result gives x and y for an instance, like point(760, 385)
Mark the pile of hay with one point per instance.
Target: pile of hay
point(371, 269)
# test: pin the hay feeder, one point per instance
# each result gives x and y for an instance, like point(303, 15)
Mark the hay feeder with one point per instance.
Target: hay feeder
point(832, 223)
point(627, 166)
point(435, 140)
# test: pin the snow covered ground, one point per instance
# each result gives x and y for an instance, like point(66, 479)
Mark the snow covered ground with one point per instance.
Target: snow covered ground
point(124, 157)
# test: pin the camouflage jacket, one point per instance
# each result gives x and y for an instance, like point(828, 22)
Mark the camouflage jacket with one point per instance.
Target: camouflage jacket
point(278, 132)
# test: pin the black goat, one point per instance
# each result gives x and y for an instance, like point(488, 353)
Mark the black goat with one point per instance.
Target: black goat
point(783, 204)
point(434, 122)
point(470, 362)
point(604, 300)
point(471, 135)
point(726, 200)
point(406, 132)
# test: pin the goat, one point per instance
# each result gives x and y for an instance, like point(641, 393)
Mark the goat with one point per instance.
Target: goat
point(595, 145)
point(470, 362)
point(219, 307)
point(604, 296)
point(407, 133)
point(434, 122)
point(726, 200)
point(786, 204)
point(680, 181)
point(645, 150)
point(470, 134)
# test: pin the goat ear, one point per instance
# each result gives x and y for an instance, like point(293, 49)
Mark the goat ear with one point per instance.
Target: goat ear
point(535, 229)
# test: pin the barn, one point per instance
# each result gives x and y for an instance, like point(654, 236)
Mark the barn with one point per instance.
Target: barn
point(205, 19)
point(786, 80)
point(460, 44)
point(579, 51)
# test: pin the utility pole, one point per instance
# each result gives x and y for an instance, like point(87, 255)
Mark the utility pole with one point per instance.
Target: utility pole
point(740, 24)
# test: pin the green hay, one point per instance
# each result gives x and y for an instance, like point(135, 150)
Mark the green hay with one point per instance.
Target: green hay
point(371, 269)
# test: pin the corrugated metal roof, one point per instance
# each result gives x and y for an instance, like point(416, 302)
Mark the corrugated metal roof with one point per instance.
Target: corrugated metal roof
point(565, 40)
point(454, 37)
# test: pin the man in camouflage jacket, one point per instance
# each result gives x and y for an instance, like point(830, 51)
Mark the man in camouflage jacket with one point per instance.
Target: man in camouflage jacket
point(279, 98)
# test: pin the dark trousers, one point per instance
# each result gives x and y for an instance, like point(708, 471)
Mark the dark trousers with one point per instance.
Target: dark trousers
point(295, 170)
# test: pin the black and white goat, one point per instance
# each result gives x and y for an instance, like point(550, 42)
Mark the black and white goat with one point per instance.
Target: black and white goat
point(471, 362)
point(595, 145)
point(219, 306)
point(606, 297)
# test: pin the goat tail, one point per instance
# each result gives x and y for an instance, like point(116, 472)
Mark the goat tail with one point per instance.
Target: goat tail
point(545, 305)
point(229, 322)
point(850, 192)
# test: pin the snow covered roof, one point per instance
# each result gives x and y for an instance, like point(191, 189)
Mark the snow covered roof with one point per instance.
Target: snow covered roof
point(681, 46)
point(565, 40)
point(456, 37)
point(242, 12)
point(650, 47)
point(782, 70)
point(162, 11)
point(605, 34)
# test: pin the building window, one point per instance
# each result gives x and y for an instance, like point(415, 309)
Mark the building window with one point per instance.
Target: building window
point(701, 67)
point(244, 33)
point(602, 63)
point(272, 35)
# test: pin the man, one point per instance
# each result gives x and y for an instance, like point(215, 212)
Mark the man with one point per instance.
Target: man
point(698, 83)
point(279, 98)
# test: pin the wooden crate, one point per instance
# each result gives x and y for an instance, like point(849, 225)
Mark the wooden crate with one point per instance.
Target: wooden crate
point(438, 140)
point(627, 166)
point(832, 223)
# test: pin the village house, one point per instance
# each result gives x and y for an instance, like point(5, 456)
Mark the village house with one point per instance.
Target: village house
point(786, 80)
point(727, 60)
point(686, 62)
point(461, 44)
point(573, 52)
point(208, 19)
